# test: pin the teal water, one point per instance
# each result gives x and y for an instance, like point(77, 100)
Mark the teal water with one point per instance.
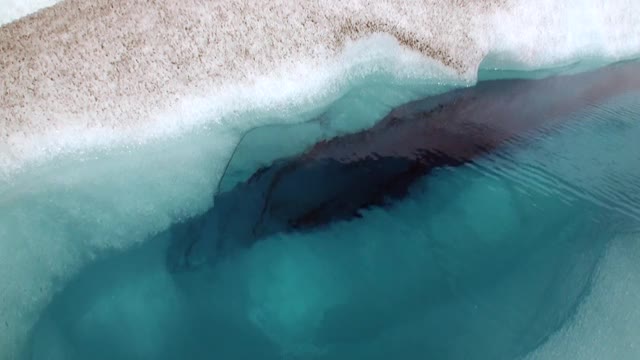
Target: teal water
point(490, 260)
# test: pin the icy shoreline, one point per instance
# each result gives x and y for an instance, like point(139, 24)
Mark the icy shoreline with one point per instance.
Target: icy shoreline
point(149, 98)
point(86, 75)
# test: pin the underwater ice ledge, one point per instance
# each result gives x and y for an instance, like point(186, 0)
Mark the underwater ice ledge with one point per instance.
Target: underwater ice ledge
point(336, 179)
point(437, 196)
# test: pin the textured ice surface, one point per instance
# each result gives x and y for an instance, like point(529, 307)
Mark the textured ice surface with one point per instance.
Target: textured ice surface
point(83, 74)
point(11, 10)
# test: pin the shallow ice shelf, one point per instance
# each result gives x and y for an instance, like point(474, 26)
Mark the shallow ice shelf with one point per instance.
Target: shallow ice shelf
point(375, 286)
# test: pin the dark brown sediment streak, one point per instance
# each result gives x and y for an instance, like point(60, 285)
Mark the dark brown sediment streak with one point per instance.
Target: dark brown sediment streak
point(376, 166)
point(469, 122)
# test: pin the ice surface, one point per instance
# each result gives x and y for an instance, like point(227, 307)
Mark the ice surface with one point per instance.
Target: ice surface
point(15, 9)
point(606, 324)
point(139, 74)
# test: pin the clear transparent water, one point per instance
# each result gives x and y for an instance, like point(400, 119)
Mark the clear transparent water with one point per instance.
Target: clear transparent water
point(501, 258)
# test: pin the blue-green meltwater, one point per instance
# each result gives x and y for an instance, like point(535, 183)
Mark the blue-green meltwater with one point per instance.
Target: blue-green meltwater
point(499, 221)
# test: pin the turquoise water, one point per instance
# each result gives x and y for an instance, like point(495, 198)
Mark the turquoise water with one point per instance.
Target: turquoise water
point(494, 259)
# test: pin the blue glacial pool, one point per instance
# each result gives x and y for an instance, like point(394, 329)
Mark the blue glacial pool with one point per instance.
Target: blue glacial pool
point(500, 221)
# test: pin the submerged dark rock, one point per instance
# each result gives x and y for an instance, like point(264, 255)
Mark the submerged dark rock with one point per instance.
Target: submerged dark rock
point(337, 178)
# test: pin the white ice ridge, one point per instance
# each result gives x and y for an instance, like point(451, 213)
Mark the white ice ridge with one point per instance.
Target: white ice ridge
point(11, 10)
point(82, 74)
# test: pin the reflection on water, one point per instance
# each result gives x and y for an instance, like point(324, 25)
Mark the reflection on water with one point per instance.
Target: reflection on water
point(487, 251)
